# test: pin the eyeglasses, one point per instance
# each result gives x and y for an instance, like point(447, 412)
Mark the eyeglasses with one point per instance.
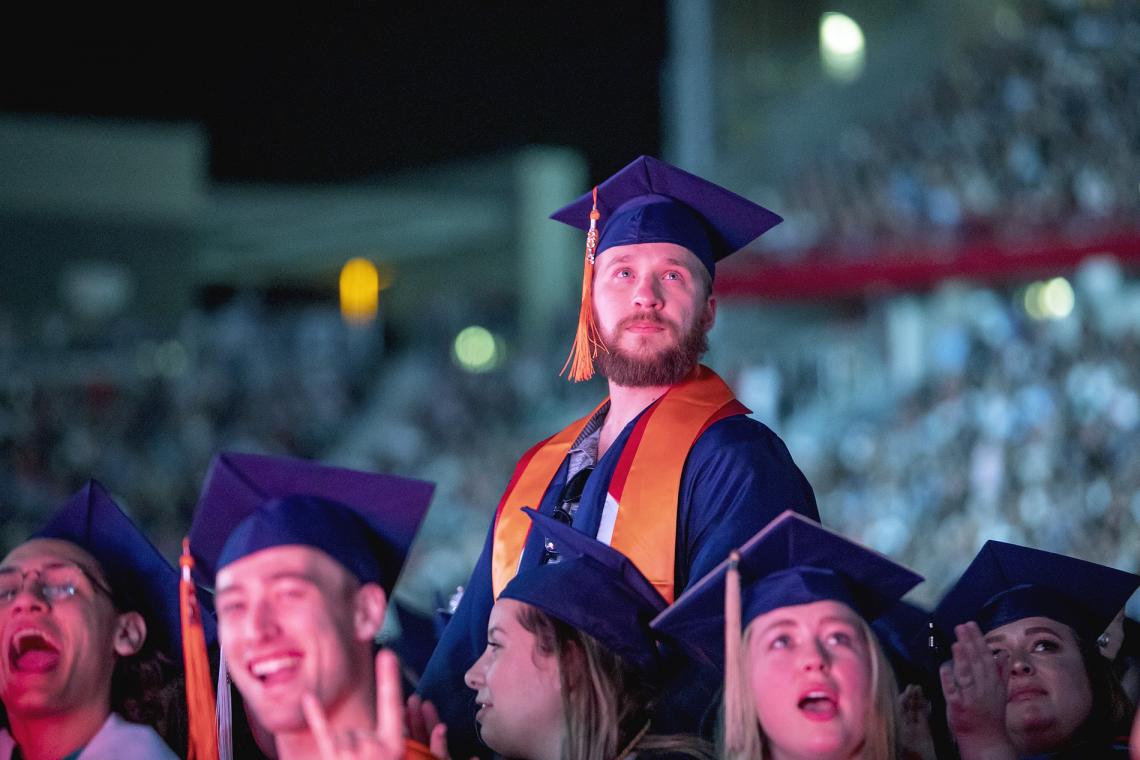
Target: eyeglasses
point(571, 495)
point(55, 583)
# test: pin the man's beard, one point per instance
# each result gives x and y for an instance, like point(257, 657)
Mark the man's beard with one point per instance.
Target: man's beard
point(666, 367)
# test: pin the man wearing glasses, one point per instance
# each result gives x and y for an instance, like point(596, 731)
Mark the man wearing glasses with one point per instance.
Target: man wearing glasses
point(86, 607)
point(668, 469)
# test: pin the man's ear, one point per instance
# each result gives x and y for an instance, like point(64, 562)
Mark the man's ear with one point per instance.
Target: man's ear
point(130, 633)
point(368, 611)
point(710, 313)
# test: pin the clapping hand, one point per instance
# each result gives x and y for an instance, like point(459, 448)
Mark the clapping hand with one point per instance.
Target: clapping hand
point(915, 740)
point(975, 685)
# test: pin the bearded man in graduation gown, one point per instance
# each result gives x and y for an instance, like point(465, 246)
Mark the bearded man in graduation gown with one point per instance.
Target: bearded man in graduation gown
point(669, 469)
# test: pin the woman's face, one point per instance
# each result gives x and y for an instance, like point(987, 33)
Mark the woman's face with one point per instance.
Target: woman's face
point(810, 674)
point(518, 689)
point(1049, 694)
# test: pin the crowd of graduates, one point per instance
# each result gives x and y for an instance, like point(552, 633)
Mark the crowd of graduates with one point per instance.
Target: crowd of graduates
point(1022, 657)
point(656, 581)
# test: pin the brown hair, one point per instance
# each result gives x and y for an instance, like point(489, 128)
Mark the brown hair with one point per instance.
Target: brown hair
point(739, 719)
point(605, 701)
point(1112, 710)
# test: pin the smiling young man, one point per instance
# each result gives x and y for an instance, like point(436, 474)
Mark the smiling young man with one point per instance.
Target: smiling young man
point(303, 558)
point(669, 469)
point(85, 607)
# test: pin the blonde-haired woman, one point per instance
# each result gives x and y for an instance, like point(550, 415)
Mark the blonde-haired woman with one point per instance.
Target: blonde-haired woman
point(787, 615)
point(571, 665)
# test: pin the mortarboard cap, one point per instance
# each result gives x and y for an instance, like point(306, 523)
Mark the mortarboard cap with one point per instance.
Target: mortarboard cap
point(650, 201)
point(595, 589)
point(364, 521)
point(1006, 582)
point(912, 643)
point(418, 637)
point(792, 561)
point(141, 579)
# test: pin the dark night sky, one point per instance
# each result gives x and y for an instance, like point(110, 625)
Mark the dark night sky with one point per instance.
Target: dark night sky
point(347, 92)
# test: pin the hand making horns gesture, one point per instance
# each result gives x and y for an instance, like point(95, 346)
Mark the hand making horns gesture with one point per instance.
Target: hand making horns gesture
point(386, 742)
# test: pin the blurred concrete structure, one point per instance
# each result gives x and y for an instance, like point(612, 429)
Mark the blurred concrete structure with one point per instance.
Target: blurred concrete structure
point(97, 217)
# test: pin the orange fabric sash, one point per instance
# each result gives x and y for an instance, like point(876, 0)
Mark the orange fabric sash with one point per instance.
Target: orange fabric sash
point(640, 515)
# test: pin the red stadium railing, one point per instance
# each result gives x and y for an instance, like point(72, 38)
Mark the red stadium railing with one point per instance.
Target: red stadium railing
point(819, 276)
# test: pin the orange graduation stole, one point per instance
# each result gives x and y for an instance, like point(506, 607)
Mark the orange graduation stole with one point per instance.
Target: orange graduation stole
point(640, 514)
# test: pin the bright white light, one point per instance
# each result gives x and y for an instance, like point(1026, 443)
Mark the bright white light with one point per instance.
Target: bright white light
point(841, 46)
point(840, 34)
point(1053, 299)
point(476, 349)
point(1057, 298)
point(1033, 301)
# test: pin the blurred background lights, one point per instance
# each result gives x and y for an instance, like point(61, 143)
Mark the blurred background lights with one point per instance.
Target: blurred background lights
point(477, 350)
point(359, 291)
point(842, 47)
point(1052, 299)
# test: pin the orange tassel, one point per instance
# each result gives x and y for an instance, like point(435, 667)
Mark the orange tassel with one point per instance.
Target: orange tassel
point(203, 743)
point(733, 677)
point(587, 338)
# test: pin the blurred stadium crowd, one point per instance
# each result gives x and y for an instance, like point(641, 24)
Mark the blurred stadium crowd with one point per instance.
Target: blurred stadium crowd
point(1034, 131)
point(1025, 430)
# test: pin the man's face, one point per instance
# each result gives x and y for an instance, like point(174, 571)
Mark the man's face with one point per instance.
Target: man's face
point(652, 308)
point(287, 623)
point(58, 647)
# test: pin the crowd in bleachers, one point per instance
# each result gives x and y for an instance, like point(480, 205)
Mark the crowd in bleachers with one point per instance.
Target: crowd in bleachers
point(143, 410)
point(1034, 130)
point(1027, 431)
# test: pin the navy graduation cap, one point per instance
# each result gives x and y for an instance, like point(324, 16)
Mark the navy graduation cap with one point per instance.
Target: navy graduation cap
point(912, 643)
point(141, 579)
point(650, 201)
point(792, 561)
point(595, 589)
point(364, 521)
point(1006, 582)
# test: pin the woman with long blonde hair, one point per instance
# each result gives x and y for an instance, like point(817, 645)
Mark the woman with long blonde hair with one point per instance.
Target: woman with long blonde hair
point(787, 616)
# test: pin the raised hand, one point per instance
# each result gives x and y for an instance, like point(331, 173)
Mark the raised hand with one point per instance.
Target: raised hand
point(385, 742)
point(915, 740)
point(975, 685)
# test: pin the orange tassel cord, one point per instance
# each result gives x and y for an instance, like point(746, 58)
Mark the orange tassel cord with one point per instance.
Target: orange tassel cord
point(587, 338)
point(200, 704)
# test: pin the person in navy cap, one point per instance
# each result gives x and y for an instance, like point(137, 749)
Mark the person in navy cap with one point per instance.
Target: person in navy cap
point(787, 618)
point(303, 558)
point(89, 633)
point(571, 665)
point(1026, 678)
point(913, 645)
point(669, 469)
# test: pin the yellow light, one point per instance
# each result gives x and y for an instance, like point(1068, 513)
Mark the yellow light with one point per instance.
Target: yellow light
point(842, 46)
point(476, 349)
point(359, 291)
point(1033, 301)
point(1057, 299)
